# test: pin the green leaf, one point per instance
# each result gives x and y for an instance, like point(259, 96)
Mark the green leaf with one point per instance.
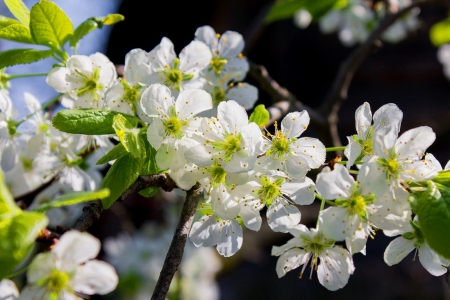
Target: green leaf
point(120, 176)
point(49, 25)
point(433, 209)
point(129, 136)
point(88, 121)
point(17, 33)
point(286, 9)
point(440, 33)
point(117, 152)
point(22, 56)
point(17, 236)
point(260, 115)
point(73, 198)
point(7, 203)
point(82, 30)
point(5, 21)
point(149, 165)
point(149, 192)
point(19, 10)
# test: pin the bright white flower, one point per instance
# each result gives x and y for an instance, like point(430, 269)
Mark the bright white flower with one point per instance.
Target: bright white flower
point(335, 265)
point(352, 217)
point(361, 143)
point(174, 122)
point(285, 152)
point(229, 138)
point(125, 94)
point(280, 194)
point(85, 79)
point(395, 162)
point(69, 271)
point(302, 18)
point(412, 239)
point(178, 73)
point(227, 60)
point(8, 290)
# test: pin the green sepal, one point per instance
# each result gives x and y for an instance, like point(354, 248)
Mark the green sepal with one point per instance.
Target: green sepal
point(19, 10)
point(73, 198)
point(89, 121)
point(443, 177)
point(409, 235)
point(432, 207)
point(117, 152)
point(129, 136)
point(120, 176)
point(17, 33)
point(260, 116)
point(82, 30)
point(286, 9)
point(149, 192)
point(49, 24)
point(440, 33)
point(14, 57)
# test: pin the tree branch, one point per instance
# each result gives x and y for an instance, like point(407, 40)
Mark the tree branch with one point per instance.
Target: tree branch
point(338, 93)
point(175, 253)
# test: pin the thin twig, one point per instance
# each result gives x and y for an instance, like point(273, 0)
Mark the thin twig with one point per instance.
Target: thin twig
point(175, 253)
point(338, 93)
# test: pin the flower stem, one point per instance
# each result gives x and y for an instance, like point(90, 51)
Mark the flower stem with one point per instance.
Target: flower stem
point(330, 149)
point(353, 172)
point(17, 273)
point(26, 75)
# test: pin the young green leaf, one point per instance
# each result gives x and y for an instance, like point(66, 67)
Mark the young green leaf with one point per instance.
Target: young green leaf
point(111, 19)
point(17, 33)
point(82, 30)
point(440, 33)
point(117, 152)
point(120, 176)
point(88, 121)
point(19, 10)
point(149, 165)
point(22, 56)
point(433, 209)
point(129, 136)
point(5, 21)
point(73, 198)
point(286, 9)
point(7, 203)
point(260, 116)
point(49, 25)
point(16, 238)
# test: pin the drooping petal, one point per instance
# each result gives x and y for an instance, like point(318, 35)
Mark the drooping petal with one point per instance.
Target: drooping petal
point(156, 133)
point(334, 184)
point(397, 250)
point(281, 216)
point(300, 191)
point(352, 151)
point(431, 261)
point(290, 260)
point(363, 119)
point(335, 268)
point(292, 243)
point(230, 240)
point(205, 232)
point(251, 216)
point(334, 222)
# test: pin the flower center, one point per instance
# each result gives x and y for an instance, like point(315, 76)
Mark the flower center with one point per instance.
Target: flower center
point(218, 95)
point(217, 64)
point(218, 174)
point(270, 190)
point(90, 84)
point(132, 94)
point(316, 244)
point(174, 77)
point(173, 127)
point(27, 163)
point(230, 145)
point(280, 145)
point(58, 281)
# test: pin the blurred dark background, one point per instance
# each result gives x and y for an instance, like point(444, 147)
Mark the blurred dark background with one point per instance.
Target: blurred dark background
point(305, 62)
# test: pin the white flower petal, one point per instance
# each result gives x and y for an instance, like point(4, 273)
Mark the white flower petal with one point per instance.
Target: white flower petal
point(232, 116)
point(207, 35)
point(397, 250)
point(95, 277)
point(363, 119)
point(431, 261)
point(194, 57)
point(295, 123)
point(290, 260)
point(252, 218)
point(281, 217)
point(76, 247)
point(205, 232)
point(245, 94)
point(230, 240)
point(156, 100)
point(334, 184)
point(231, 43)
point(8, 290)
point(413, 143)
point(334, 222)
point(301, 191)
point(335, 268)
point(191, 102)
